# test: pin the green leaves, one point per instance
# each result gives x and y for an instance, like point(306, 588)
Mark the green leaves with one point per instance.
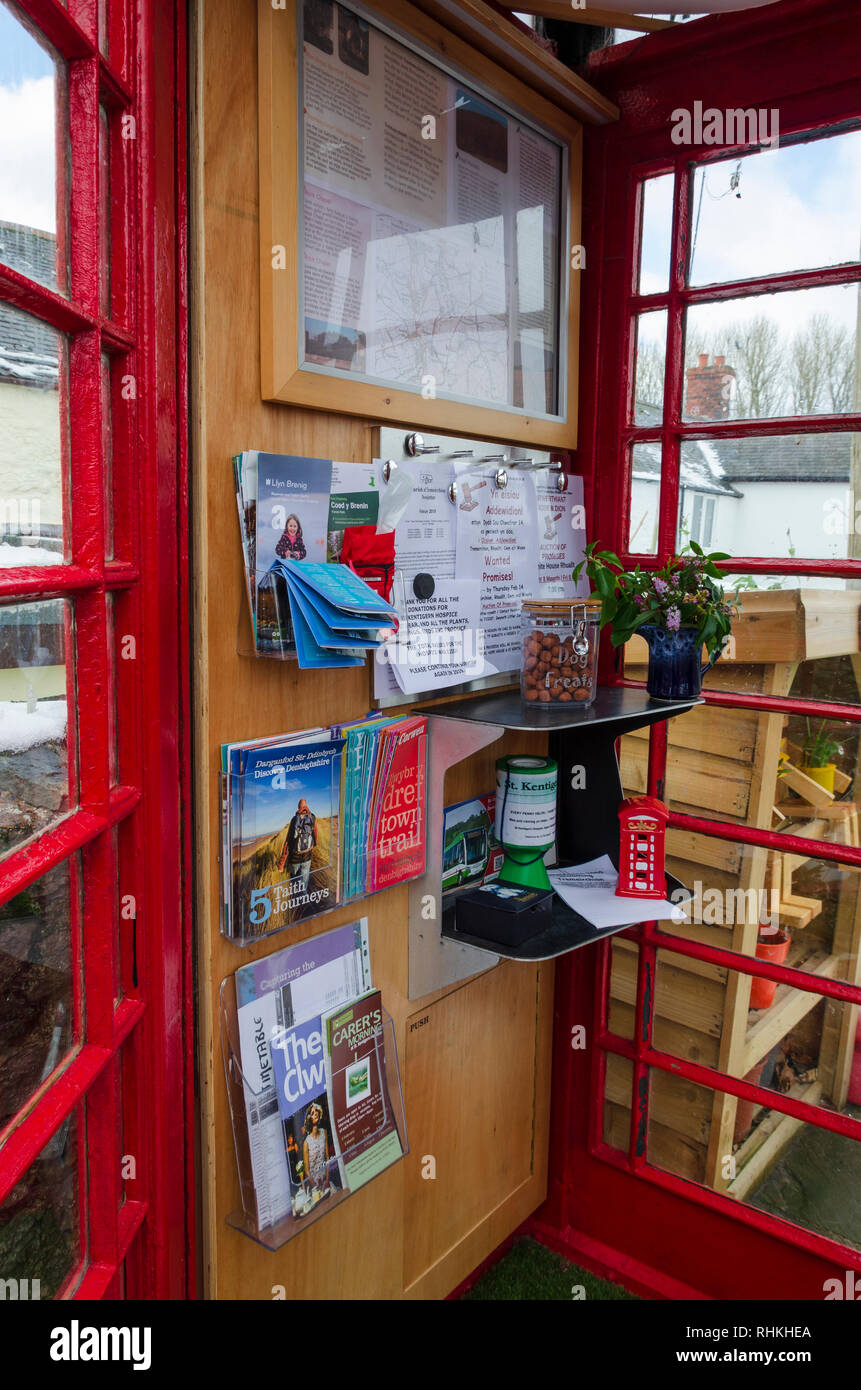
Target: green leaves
point(631, 598)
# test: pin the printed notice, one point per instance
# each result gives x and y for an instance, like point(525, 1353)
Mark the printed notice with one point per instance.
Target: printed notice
point(496, 545)
point(439, 642)
point(561, 536)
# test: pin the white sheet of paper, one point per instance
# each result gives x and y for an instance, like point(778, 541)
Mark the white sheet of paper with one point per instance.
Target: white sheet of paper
point(561, 536)
point(495, 542)
point(591, 890)
point(424, 542)
point(439, 641)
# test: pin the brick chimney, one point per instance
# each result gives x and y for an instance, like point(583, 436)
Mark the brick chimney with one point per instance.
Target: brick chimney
point(708, 389)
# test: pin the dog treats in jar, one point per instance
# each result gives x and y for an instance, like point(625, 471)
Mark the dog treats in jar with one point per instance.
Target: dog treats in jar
point(559, 651)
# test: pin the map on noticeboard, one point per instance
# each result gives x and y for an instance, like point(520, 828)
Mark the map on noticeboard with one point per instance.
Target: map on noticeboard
point(431, 221)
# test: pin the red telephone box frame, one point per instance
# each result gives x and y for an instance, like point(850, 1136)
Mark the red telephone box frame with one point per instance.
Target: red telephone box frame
point(660, 1234)
point(130, 1073)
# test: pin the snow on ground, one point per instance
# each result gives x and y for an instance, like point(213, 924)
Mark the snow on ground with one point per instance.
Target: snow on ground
point(21, 729)
point(17, 556)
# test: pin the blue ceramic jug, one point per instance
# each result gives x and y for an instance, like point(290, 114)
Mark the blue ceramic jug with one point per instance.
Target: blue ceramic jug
point(675, 672)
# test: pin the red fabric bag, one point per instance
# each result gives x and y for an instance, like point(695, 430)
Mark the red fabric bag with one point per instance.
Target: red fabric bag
point(371, 555)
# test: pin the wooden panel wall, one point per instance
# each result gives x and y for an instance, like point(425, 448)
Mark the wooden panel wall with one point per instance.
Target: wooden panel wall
point(477, 1080)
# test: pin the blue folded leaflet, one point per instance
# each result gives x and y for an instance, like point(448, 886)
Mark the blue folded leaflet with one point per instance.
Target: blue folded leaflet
point(310, 654)
point(340, 587)
point(360, 640)
point(336, 616)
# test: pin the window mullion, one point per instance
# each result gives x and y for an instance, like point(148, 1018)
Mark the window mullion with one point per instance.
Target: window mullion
point(103, 1161)
point(674, 368)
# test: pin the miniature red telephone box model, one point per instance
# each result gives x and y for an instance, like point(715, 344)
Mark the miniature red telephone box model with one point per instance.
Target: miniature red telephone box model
point(642, 825)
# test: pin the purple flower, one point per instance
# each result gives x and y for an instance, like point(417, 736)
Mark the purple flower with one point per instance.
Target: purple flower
point(674, 618)
point(660, 586)
point(640, 600)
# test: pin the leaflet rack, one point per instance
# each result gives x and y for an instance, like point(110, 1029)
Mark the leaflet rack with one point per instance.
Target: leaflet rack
point(262, 892)
point(356, 1167)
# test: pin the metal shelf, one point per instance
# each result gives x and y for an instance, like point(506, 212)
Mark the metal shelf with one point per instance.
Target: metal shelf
point(614, 704)
point(587, 824)
point(569, 931)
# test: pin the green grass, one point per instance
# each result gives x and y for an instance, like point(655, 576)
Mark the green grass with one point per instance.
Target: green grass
point(533, 1272)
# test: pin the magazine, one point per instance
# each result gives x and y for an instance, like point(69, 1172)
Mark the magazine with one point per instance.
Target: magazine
point(355, 501)
point(313, 1166)
point(359, 1104)
point(273, 995)
point(397, 831)
point(291, 512)
point(285, 834)
point(313, 819)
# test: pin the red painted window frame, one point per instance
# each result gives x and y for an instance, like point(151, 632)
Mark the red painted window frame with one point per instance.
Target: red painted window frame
point(142, 1246)
point(613, 1210)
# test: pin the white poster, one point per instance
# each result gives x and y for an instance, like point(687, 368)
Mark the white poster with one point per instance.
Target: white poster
point(496, 530)
point(561, 536)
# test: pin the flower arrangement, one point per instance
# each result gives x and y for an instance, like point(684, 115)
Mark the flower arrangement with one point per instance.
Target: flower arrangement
point(683, 594)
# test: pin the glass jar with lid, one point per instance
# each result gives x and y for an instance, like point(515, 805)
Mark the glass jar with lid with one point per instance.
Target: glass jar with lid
point(559, 644)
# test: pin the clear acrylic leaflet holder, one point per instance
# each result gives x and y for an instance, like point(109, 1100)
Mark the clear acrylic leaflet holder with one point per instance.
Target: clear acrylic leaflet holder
point(278, 868)
point(277, 1200)
point(270, 602)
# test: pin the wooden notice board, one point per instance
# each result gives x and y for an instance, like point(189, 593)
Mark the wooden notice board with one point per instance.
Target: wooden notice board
point(428, 287)
point(475, 1059)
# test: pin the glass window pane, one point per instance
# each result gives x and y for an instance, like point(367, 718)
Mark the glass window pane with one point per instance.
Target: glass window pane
point(113, 762)
point(425, 262)
point(657, 235)
point(737, 889)
point(773, 496)
point(618, 1081)
point(624, 959)
point(104, 27)
point(36, 1003)
point(40, 1235)
point(788, 1167)
point(35, 648)
point(788, 1040)
point(651, 332)
point(104, 213)
point(32, 189)
point(792, 208)
point(108, 455)
point(645, 498)
point(33, 435)
point(793, 353)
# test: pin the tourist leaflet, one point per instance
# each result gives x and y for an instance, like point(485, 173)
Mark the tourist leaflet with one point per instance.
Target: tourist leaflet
point(274, 995)
point(293, 512)
point(318, 818)
point(360, 1107)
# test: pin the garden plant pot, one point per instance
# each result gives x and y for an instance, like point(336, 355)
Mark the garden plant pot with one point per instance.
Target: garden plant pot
point(762, 992)
point(823, 775)
point(745, 1109)
point(675, 663)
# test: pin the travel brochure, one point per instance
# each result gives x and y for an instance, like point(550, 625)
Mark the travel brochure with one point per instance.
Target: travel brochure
point(293, 514)
point(313, 819)
point(313, 1063)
